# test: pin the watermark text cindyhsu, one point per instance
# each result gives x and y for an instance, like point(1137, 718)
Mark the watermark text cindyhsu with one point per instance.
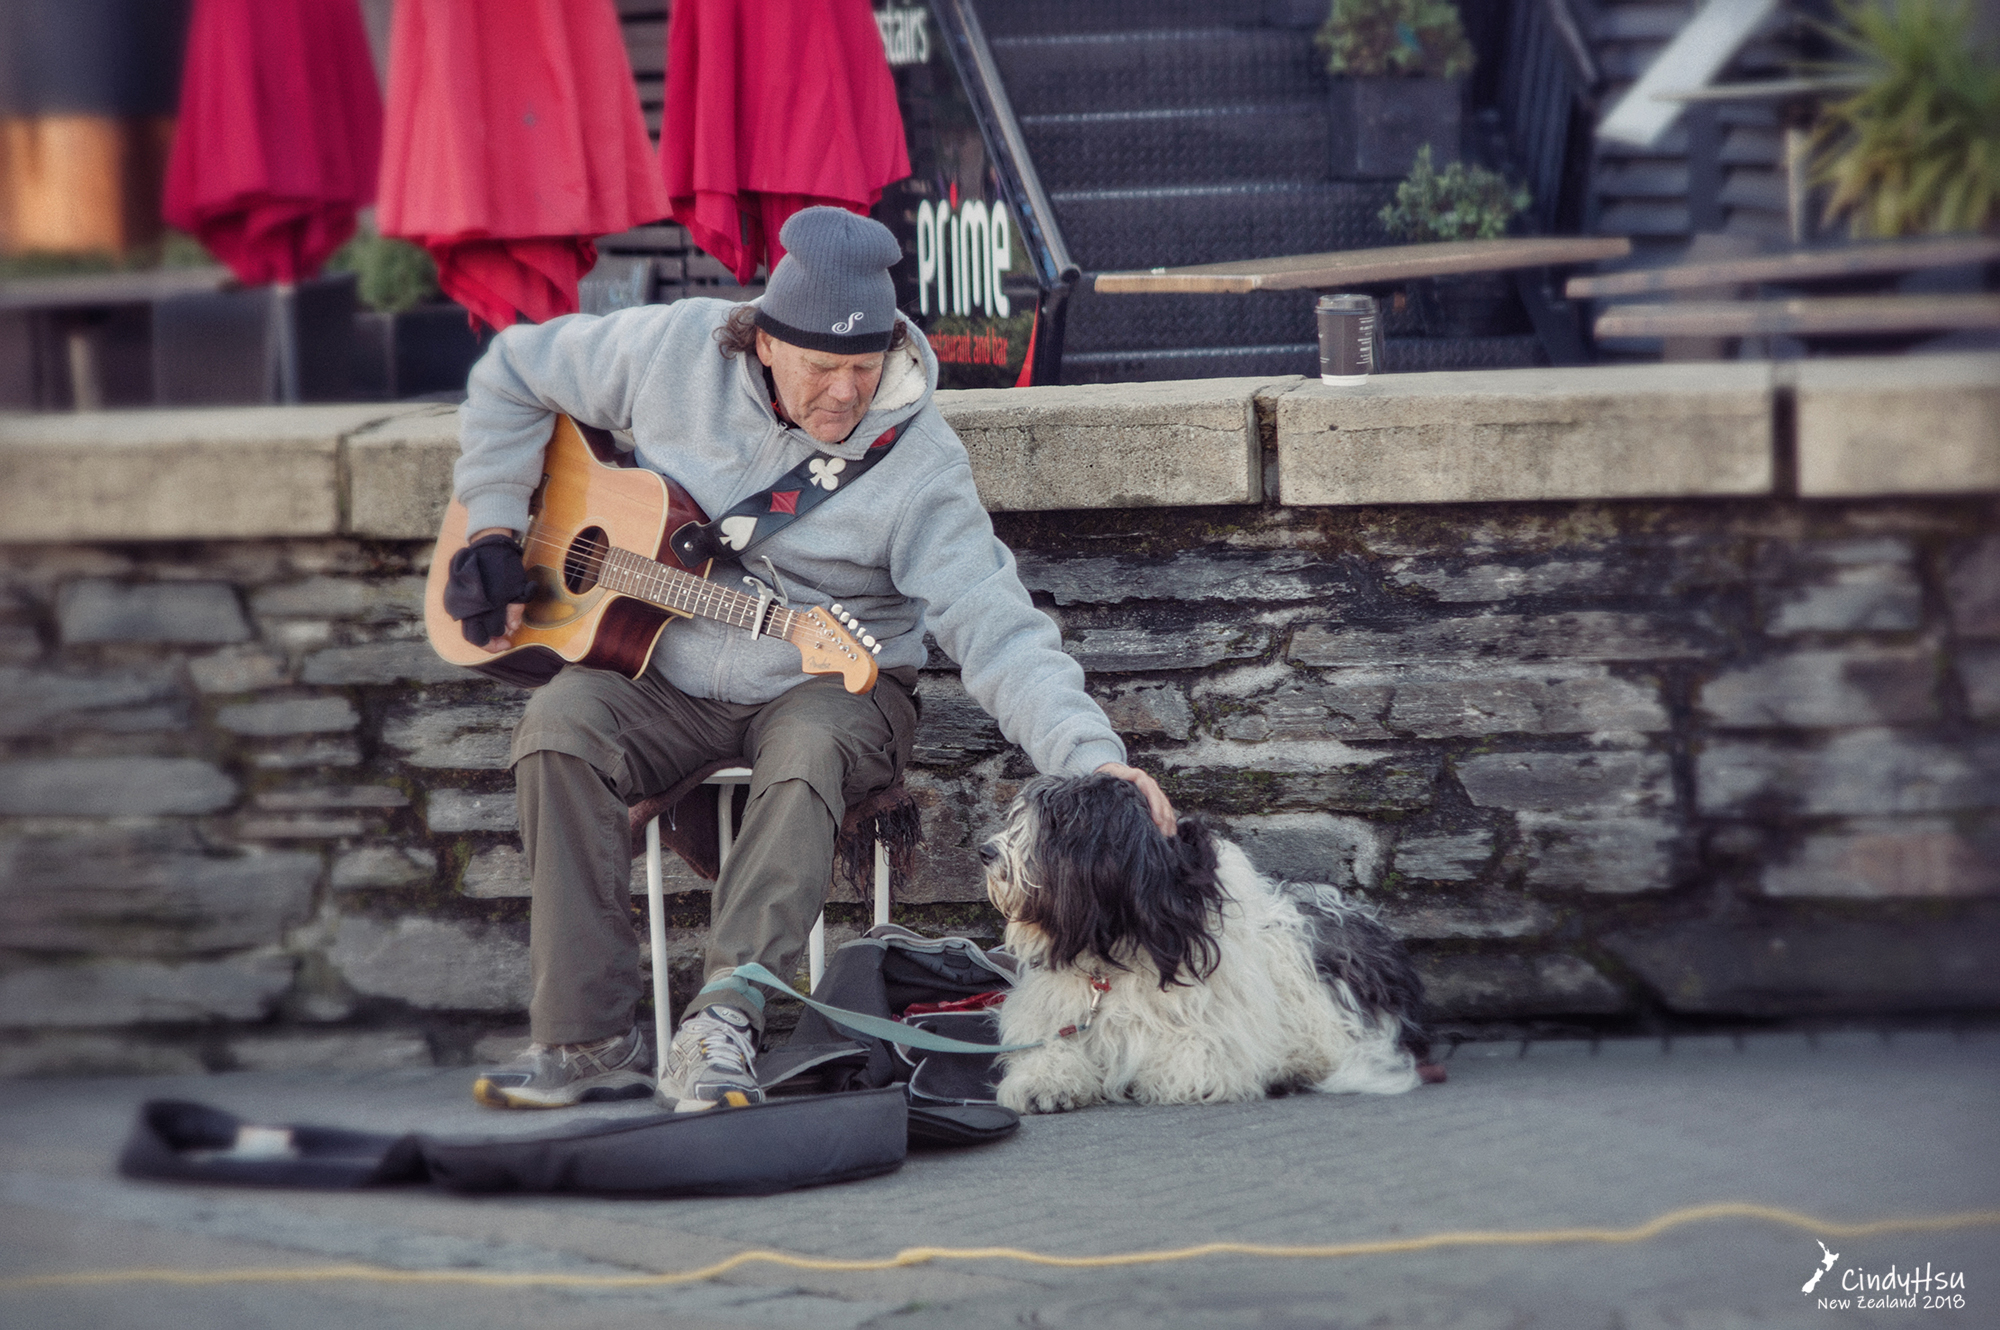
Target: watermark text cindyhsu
point(1861, 1289)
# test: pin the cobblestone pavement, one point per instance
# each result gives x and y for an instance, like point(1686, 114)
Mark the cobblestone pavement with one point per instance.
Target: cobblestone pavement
point(1847, 1128)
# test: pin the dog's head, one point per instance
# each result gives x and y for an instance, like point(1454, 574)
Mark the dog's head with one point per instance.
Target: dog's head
point(1080, 868)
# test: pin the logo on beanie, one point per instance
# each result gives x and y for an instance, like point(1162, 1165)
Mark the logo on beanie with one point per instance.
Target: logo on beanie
point(846, 325)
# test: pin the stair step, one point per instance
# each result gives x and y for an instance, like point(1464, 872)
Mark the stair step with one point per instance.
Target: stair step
point(1645, 180)
point(1417, 355)
point(1206, 362)
point(1404, 355)
point(1115, 229)
point(1158, 322)
point(1028, 18)
point(1643, 219)
point(1206, 145)
point(1161, 70)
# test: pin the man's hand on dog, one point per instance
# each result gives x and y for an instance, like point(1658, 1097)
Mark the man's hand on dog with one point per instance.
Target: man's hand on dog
point(1157, 802)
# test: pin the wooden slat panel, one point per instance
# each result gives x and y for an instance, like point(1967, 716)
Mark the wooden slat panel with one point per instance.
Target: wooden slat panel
point(646, 48)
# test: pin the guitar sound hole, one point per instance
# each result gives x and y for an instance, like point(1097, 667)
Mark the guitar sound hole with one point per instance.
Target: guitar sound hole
point(584, 561)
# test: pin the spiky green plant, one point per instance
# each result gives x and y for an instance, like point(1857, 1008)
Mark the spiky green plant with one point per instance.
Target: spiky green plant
point(1918, 148)
point(1457, 203)
point(1377, 38)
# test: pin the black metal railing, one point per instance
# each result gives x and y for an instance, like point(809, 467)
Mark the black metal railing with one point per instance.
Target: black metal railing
point(1041, 235)
point(1548, 103)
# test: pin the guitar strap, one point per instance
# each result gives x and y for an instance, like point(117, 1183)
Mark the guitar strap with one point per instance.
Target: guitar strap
point(765, 513)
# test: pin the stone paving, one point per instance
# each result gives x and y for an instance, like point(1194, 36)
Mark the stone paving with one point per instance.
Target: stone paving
point(1846, 1128)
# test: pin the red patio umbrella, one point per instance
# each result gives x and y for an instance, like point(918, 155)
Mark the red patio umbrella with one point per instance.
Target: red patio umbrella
point(279, 136)
point(772, 108)
point(514, 139)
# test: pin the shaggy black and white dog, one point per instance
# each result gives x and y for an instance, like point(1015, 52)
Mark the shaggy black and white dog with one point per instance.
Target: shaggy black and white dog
point(1170, 971)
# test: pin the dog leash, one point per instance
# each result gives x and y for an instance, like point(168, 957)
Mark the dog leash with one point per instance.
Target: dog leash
point(1099, 986)
point(856, 1022)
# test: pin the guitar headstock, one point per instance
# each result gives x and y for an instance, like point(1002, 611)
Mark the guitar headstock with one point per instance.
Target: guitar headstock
point(827, 648)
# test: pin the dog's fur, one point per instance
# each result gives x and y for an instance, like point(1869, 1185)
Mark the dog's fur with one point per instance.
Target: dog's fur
point(1224, 984)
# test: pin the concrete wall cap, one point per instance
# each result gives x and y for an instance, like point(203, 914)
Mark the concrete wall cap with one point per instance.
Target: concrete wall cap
point(1904, 424)
point(1859, 419)
point(1526, 435)
point(202, 474)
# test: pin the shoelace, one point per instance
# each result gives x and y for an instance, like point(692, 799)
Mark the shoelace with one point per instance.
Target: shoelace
point(722, 1044)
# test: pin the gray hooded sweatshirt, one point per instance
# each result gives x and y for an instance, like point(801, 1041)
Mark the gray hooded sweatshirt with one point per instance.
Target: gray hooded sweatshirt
point(909, 548)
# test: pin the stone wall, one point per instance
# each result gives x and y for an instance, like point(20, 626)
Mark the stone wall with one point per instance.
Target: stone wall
point(1614, 753)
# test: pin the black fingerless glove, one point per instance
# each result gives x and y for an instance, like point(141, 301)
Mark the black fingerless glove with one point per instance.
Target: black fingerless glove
point(486, 577)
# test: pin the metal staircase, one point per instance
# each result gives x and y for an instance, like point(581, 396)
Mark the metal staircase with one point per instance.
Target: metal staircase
point(1176, 132)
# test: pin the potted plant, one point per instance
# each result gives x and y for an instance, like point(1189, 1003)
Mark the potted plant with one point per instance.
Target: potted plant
point(1458, 203)
point(1918, 147)
point(410, 342)
point(1398, 70)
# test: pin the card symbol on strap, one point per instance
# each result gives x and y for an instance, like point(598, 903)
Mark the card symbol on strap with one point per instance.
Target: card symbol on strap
point(826, 473)
point(736, 531)
point(786, 502)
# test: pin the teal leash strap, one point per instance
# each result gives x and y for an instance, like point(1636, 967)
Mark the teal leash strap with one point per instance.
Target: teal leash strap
point(860, 1023)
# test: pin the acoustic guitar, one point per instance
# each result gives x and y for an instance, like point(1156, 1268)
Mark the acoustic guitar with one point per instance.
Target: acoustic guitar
point(606, 582)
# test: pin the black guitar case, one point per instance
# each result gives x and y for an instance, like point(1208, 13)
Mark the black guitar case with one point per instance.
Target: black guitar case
point(754, 1151)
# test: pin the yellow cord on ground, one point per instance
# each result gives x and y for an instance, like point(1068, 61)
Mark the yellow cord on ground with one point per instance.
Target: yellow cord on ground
point(910, 1256)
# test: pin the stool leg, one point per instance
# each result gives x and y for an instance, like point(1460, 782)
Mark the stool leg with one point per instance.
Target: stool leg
point(881, 882)
point(725, 827)
point(816, 951)
point(656, 930)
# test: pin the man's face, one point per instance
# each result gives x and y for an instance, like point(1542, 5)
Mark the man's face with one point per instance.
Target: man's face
point(824, 394)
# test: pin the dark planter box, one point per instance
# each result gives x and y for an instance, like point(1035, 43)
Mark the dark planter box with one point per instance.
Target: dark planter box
point(1379, 123)
point(1473, 304)
point(421, 352)
point(219, 349)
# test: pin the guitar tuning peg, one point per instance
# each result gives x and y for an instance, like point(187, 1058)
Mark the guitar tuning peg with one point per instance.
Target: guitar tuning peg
point(838, 612)
point(877, 651)
point(867, 641)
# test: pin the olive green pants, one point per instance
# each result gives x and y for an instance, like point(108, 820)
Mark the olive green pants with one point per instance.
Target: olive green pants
point(594, 742)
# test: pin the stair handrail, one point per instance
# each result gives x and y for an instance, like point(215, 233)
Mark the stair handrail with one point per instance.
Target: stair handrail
point(1582, 60)
point(1548, 99)
point(1041, 234)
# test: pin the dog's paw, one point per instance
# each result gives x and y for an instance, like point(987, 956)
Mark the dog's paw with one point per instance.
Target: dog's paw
point(1023, 1097)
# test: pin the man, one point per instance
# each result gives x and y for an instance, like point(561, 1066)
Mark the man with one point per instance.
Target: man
point(728, 401)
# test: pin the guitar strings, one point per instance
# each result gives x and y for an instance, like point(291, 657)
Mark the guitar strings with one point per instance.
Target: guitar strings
point(587, 560)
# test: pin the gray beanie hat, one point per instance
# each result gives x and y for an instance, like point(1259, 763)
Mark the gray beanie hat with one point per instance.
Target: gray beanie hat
point(832, 290)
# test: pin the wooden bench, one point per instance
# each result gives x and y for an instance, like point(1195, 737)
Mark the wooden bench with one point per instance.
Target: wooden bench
point(1806, 267)
point(1345, 270)
point(1804, 317)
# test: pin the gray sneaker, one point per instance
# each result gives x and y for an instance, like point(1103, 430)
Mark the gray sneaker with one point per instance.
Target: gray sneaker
point(710, 1062)
point(559, 1075)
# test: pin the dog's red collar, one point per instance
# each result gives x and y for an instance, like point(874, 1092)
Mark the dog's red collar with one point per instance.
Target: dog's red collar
point(1099, 986)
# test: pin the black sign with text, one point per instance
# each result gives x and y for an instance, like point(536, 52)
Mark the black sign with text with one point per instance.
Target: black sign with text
point(965, 278)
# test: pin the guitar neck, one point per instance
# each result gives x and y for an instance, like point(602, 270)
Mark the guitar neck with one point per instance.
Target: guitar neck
point(673, 588)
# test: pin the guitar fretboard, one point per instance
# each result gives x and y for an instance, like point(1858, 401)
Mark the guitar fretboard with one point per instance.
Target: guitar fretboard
point(677, 589)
